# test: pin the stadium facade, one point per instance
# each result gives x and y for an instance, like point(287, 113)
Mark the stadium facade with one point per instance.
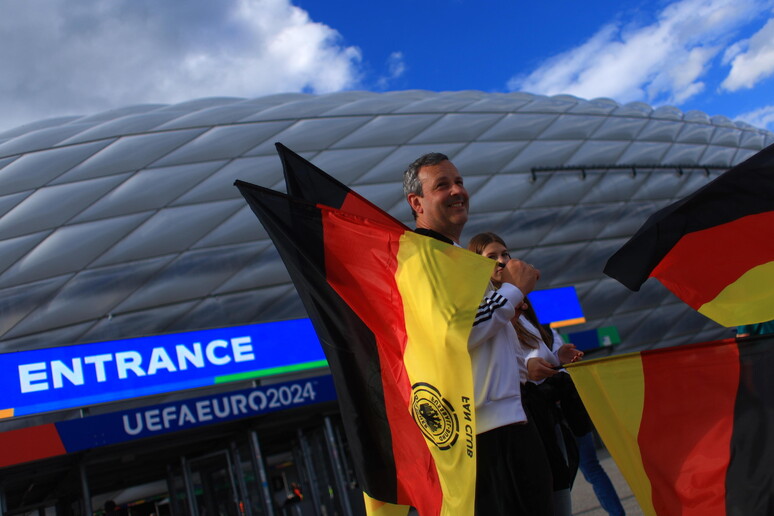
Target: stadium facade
point(126, 224)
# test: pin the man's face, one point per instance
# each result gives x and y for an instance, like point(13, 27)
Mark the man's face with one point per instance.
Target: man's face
point(443, 206)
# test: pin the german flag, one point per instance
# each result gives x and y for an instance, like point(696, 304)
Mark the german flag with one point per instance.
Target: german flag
point(714, 249)
point(304, 180)
point(394, 329)
point(690, 427)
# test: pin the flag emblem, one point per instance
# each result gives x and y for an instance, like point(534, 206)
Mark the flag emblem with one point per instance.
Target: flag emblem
point(434, 415)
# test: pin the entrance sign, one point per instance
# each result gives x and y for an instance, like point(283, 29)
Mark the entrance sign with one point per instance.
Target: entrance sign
point(74, 435)
point(44, 380)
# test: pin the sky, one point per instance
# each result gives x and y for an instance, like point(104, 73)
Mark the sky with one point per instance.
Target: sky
point(79, 57)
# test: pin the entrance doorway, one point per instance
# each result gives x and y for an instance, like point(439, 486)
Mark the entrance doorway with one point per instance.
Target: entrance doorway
point(214, 489)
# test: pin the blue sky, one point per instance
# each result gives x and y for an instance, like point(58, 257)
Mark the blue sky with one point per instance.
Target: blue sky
point(65, 57)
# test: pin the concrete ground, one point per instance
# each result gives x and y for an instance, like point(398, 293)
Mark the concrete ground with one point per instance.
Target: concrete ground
point(585, 503)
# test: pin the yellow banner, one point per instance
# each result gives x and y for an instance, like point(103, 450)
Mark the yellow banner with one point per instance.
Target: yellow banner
point(377, 508)
point(441, 287)
point(748, 300)
point(613, 392)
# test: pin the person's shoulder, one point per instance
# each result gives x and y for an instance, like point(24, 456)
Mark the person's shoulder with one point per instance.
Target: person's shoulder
point(433, 234)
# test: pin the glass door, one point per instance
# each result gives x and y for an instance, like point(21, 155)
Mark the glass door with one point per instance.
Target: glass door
point(214, 489)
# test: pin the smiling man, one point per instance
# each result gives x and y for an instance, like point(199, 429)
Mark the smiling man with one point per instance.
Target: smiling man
point(439, 202)
point(513, 477)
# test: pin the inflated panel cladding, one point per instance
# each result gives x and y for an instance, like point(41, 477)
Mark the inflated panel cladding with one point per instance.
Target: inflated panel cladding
point(57, 254)
point(129, 153)
point(138, 123)
point(171, 230)
point(387, 130)
point(566, 221)
point(41, 139)
point(53, 206)
point(149, 189)
point(456, 127)
point(35, 169)
point(312, 134)
point(572, 127)
point(222, 143)
point(205, 270)
point(89, 295)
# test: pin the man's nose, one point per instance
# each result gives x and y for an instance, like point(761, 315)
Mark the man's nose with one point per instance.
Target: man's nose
point(459, 190)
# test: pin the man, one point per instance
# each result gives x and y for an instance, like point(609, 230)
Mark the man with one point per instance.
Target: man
point(439, 202)
point(512, 472)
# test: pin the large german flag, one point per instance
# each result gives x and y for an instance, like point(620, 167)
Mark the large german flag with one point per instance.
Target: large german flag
point(304, 180)
point(690, 427)
point(714, 249)
point(394, 329)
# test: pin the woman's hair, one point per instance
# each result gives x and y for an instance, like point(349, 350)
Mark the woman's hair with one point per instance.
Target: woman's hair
point(545, 335)
point(526, 337)
point(480, 241)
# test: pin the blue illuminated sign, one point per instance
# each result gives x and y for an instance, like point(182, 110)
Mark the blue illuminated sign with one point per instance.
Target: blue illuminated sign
point(73, 376)
point(127, 425)
point(557, 306)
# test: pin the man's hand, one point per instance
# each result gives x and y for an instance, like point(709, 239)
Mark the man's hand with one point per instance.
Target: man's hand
point(539, 369)
point(520, 274)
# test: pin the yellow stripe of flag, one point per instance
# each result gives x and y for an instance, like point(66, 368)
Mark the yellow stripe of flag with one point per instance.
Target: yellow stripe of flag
point(613, 391)
point(441, 287)
point(748, 300)
point(377, 508)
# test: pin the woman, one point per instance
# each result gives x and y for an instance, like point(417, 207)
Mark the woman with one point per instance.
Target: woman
point(513, 473)
point(540, 363)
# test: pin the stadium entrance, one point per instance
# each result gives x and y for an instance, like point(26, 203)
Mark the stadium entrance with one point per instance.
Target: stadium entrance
point(291, 462)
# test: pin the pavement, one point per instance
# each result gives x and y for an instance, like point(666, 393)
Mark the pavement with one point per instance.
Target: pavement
point(585, 503)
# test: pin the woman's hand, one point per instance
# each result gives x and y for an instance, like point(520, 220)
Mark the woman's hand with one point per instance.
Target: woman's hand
point(539, 369)
point(568, 354)
point(520, 309)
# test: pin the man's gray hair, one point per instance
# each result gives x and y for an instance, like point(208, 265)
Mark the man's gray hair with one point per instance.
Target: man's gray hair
point(411, 183)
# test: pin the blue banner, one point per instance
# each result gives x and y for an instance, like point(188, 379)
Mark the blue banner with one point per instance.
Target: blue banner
point(75, 376)
point(557, 306)
point(127, 425)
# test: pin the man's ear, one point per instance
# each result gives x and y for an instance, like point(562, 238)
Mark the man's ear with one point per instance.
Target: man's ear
point(415, 201)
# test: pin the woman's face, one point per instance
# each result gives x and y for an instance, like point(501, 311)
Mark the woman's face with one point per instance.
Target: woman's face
point(496, 251)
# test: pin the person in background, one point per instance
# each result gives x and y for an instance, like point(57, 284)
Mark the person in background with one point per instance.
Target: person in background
point(595, 475)
point(561, 389)
point(512, 473)
point(544, 352)
point(560, 448)
point(749, 330)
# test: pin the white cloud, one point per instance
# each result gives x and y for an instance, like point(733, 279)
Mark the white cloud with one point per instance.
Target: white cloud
point(396, 67)
point(62, 57)
point(751, 60)
point(762, 117)
point(659, 63)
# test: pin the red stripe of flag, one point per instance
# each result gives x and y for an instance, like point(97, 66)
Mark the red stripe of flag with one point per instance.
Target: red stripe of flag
point(418, 482)
point(686, 426)
point(691, 268)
